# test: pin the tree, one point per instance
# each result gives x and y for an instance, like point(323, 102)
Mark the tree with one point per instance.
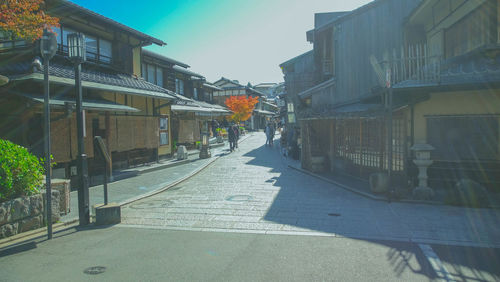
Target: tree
point(241, 106)
point(25, 19)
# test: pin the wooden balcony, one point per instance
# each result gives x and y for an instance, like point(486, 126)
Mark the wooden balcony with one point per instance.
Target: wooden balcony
point(412, 63)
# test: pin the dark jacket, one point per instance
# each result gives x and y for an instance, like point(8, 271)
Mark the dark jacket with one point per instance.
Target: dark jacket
point(231, 135)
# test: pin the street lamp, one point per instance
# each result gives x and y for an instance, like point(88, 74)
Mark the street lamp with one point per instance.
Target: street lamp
point(48, 48)
point(76, 53)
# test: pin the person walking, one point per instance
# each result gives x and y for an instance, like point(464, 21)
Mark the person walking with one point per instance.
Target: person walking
point(268, 133)
point(271, 134)
point(237, 133)
point(231, 136)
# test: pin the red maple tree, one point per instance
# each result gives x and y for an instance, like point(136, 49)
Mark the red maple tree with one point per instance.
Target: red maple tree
point(241, 106)
point(25, 19)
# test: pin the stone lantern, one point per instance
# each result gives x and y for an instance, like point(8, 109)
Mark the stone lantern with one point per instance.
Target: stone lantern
point(423, 161)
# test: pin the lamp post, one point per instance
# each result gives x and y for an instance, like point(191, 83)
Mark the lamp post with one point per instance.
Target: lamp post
point(76, 53)
point(48, 48)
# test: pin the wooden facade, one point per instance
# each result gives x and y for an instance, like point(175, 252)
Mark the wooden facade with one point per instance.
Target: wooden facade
point(120, 107)
point(444, 73)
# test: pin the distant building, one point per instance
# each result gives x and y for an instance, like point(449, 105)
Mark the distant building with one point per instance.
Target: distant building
point(233, 88)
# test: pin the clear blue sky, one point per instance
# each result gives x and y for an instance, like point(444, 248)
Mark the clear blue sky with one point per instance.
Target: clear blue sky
point(242, 40)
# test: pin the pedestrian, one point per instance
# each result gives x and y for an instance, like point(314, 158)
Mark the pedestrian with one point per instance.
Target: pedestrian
point(267, 131)
point(231, 136)
point(237, 133)
point(271, 136)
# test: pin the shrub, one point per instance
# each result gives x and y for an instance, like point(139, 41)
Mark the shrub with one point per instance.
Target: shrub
point(21, 173)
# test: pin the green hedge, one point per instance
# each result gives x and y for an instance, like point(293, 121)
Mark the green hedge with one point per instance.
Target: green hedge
point(21, 173)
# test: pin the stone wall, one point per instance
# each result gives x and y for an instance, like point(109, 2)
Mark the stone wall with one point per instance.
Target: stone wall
point(26, 213)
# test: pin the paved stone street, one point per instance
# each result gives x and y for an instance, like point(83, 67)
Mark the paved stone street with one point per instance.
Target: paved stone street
point(254, 191)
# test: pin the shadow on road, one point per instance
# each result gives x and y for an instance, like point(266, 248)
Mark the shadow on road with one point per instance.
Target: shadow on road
point(317, 206)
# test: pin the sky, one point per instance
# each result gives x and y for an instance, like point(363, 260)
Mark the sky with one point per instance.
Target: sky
point(238, 39)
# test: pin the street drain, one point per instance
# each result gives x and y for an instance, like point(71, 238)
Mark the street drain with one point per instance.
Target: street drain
point(239, 198)
point(334, 214)
point(94, 270)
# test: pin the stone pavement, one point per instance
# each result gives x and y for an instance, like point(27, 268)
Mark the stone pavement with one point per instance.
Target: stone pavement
point(254, 191)
point(144, 183)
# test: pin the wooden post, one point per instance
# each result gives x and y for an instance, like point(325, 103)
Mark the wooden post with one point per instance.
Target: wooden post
point(332, 142)
point(107, 122)
point(361, 155)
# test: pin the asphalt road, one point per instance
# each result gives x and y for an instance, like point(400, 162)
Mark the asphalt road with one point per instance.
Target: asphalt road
point(246, 217)
point(132, 254)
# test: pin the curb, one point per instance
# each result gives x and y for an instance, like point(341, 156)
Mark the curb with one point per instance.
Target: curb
point(25, 236)
point(191, 153)
point(378, 198)
point(364, 194)
point(373, 197)
point(21, 237)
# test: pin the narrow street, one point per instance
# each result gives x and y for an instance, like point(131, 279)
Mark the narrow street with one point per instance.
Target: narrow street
point(249, 217)
point(253, 190)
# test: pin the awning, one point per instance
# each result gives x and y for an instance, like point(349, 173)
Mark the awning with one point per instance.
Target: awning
point(113, 81)
point(355, 110)
point(315, 89)
point(264, 112)
point(182, 108)
point(205, 111)
point(97, 105)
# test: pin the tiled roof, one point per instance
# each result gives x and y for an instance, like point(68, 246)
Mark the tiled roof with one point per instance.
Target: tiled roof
point(471, 69)
point(108, 77)
point(186, 71)
point(356, 109)
point(63, 6)
point(163, 58)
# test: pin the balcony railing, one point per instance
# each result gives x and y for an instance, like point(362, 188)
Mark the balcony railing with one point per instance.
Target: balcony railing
point(411, 63)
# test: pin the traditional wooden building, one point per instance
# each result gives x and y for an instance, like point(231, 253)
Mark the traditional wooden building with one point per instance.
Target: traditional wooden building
point(193, 110)
point(440, 61)
point(447, 74)
point(119, 105)
point(341, 115)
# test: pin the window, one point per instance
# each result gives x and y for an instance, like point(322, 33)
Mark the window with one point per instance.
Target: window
point(97, 49)
point(105, 51)
point(65, 32)
point(471, 32)
point(463, 138)
point(151, 73)
point(5, 41)
point(91, 47)
point(57, 31)
point(144, 71)
point(159, 77)
point(179, 86)
point(195, 93)
point(164, 130)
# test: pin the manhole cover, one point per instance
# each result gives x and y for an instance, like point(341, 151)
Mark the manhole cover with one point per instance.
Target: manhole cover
point(94, 270)
point(151, 204)
point(239, 198)
point(334, 214)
